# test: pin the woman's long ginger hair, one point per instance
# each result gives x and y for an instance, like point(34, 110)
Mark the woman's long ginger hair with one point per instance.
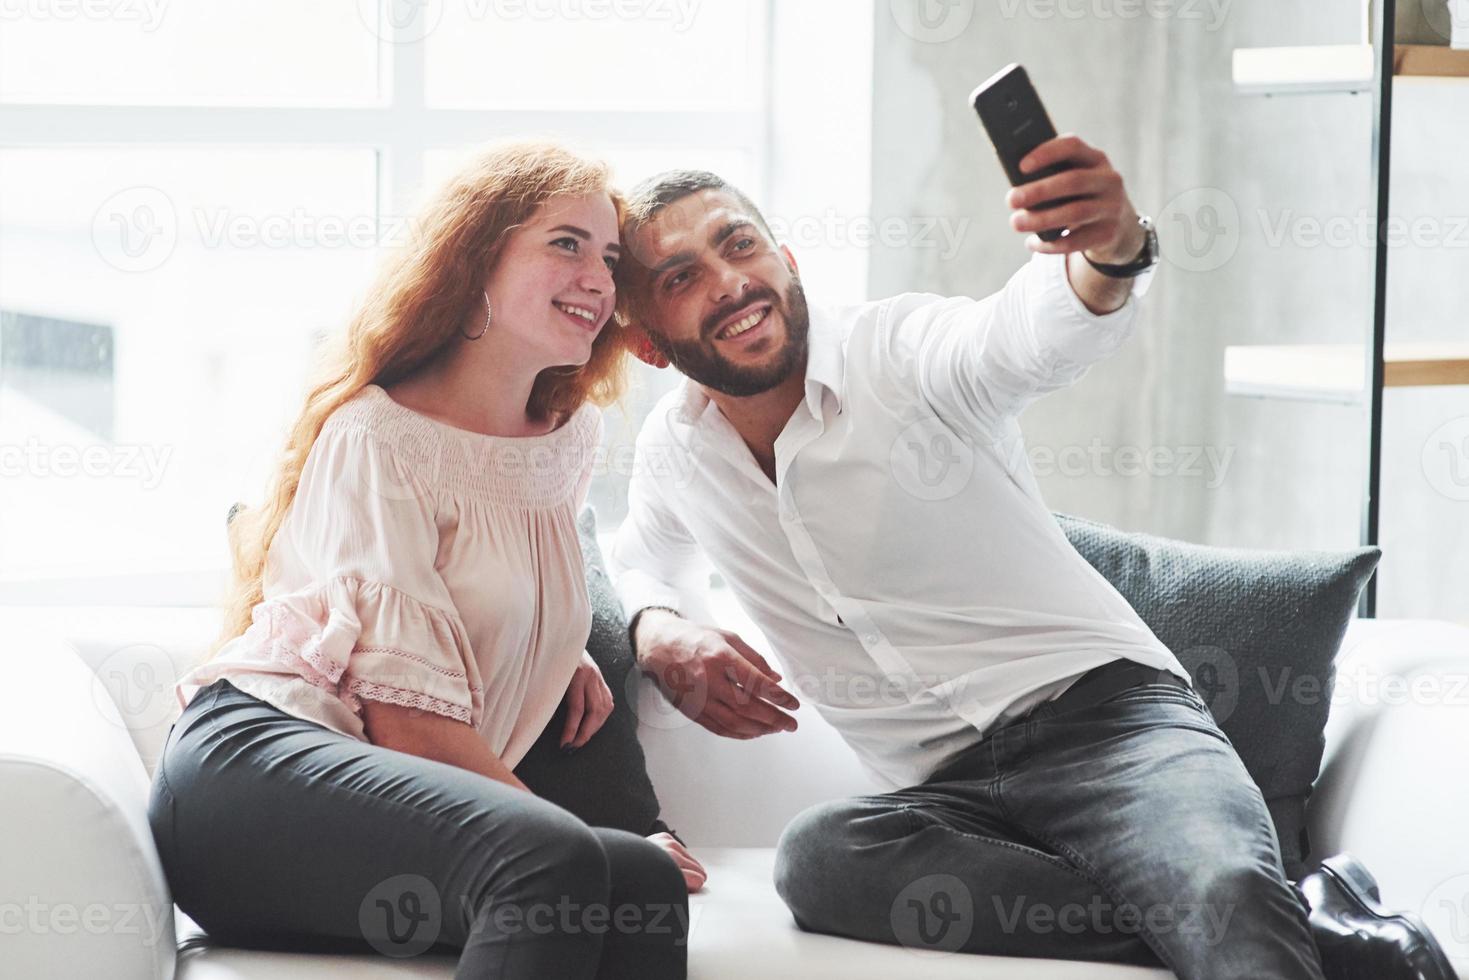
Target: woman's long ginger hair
point(413, 313)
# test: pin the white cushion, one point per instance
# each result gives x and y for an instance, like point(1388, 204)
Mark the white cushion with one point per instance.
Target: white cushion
point(739, 930)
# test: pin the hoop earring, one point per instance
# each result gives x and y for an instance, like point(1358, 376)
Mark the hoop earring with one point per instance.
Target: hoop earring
point(487, 321)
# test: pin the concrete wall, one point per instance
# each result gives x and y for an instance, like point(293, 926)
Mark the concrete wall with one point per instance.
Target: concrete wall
point(1235, 183)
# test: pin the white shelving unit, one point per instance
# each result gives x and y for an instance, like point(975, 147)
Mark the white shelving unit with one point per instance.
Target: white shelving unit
point(1334, 372)
point(1351, 373)
point(1337, 67)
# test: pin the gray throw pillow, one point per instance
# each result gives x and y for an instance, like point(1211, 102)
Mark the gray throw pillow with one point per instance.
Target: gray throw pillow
point(1259, 632)
point(605, 782)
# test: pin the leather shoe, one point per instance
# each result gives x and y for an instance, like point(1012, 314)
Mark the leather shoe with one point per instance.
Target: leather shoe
point(1358, 937)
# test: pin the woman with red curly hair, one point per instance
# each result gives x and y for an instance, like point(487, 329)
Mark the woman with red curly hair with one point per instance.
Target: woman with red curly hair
point(408, 611)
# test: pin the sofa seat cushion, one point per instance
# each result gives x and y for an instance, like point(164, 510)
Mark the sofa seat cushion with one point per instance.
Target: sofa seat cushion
point(739, 930)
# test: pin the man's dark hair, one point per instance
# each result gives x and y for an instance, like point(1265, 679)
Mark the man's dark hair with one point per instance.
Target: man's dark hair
point(657, 192)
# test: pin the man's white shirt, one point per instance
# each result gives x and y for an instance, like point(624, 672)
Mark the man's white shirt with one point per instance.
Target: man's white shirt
point(908, 575)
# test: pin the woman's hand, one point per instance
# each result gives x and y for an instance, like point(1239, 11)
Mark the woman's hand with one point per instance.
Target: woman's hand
point(588, 704)
point(694, 874)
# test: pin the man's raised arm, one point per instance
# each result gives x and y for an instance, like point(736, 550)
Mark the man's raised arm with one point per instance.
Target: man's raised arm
point(981, 362)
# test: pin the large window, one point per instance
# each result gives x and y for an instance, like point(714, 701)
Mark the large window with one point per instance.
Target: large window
point(191, 194)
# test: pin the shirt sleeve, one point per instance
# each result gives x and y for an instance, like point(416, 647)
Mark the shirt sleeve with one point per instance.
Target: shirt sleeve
point(983, 361)
point(376, 621)
point(653, 552)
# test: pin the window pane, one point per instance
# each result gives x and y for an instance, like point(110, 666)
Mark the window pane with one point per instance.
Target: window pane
point(629, 164)
point(158, 308)
point(618, 54)
point(265, 52)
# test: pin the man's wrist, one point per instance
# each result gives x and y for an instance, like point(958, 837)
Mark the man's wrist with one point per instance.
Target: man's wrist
point(1142, 261)
point(1127, 248)
point(637, 621)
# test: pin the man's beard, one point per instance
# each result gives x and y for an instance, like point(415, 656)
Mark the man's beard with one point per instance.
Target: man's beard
point(701, 362)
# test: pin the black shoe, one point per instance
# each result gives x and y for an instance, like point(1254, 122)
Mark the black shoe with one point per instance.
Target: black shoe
point(1358, 937)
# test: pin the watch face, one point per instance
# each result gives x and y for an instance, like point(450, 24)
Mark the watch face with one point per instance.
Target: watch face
point(1150, 249)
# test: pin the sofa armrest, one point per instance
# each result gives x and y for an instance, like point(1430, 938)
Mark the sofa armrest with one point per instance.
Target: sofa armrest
point(1393, 787)
point(82, 892)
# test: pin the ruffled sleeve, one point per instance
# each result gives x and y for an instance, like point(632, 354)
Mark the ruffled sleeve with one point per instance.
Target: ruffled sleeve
point(353, 600)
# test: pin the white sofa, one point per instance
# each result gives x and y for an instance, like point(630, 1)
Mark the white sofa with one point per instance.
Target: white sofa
point(87, 702)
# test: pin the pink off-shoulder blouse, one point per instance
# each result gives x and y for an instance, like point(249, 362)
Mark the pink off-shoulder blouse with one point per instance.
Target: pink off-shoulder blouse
point(423, 565)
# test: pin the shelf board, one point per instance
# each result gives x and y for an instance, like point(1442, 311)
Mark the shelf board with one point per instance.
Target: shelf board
point(1337, 372)
point(1337, 67)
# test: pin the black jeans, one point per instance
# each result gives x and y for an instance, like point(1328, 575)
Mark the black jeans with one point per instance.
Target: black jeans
point(1115, 823)
point(277, 833)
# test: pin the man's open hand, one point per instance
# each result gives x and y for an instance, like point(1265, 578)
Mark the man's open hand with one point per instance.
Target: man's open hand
point(713, 676)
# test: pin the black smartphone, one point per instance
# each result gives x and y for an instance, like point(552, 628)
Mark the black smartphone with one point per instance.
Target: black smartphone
point(1017, 123)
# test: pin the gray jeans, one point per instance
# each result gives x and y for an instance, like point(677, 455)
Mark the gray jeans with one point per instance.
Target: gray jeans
point(1115, 823)
point(276, 833)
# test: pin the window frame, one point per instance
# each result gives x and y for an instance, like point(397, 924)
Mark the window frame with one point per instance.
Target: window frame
point(400, 128)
